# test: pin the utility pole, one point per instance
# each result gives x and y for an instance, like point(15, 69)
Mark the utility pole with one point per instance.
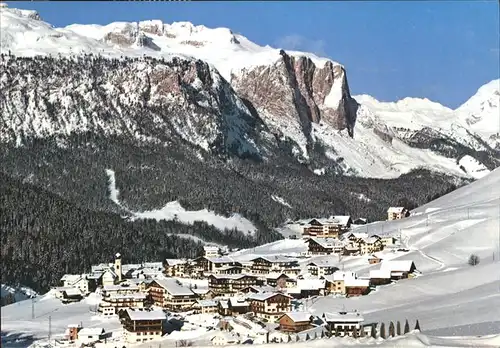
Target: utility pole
point(50, 327)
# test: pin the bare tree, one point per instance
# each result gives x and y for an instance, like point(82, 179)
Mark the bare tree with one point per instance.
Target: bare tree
point(184, 343)
point(473, 259)
point(355, 333)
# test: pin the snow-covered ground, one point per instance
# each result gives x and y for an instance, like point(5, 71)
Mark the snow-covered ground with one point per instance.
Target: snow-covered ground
point(449, 298)
point(174, 211)
point(367, 154)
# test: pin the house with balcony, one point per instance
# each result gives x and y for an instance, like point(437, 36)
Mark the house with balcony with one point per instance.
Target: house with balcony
point(321, 268)
point(230, 283)
point(396, 213)
point(295, 322)
point(142, 325)
point(269, 306)
point(170, 294)
point(324, 246)
point(343, 323)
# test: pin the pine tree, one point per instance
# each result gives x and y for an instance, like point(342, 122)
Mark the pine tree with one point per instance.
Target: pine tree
point(307, 337)
point(355, 333)
point(391, 329)
point(407, 327)
point(337, 332)
point(374, 331)
point(417, 325)
point(398, 328)
point(382, 330)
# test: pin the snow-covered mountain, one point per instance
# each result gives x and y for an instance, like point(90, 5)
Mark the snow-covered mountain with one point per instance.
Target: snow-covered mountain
point(295, 99)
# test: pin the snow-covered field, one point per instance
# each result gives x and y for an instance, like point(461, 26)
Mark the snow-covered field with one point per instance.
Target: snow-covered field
point(367, 154)
point(174, 211)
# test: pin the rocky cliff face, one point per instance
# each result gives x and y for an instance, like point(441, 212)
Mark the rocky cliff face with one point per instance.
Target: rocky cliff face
point(299, 91)
point(150, 100)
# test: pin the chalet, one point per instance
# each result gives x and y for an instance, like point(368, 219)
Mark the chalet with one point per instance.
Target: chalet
point(142, 284)
point(386, 240)
point(277, 280)
point(295, 322)
point(211, 251)
point(223, 308)
point(89, 335)
point(78, 281)
point(324, 246)
point(141, 325)
point(308, 287)
point(374, 259)
point(228, 270)
point(321, 268)
point(238, 305)
point(335, 283)
point(224, 338)
point(230, 284)
point(268, 264)
point(343, 221)
point(269, 306)
point(203, 294)
point(113, 303)
point(369, 245)
point(109, 277)
point(354, 236)
point(177, 268)
point(254, 289)
point(399, 269)
point(356, 286)
point(396, 213)
point(205, 306)
point(170, 294)
point(360, 221)
point(350, 249)
point(71, 295)
point(212, 264)
point(380, 277)
point(72, 332)
point(343, 323)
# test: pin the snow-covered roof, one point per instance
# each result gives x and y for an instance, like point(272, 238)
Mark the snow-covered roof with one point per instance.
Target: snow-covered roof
point(322, 263)
point(357, 282)
point(172, 287)
point(311, 284)
point(238, 302)
point(228, 336)
point(223, 259)
point(263, 296)
point(117, 287)
point(145, 314)
point(275, 275)
point(353, 317)
point(276, 259)
point(72, 291)
point(200, 291)
point(397, 265)
point(340, 275)
point(369, 240)
point(395, 210)
point(71, 278)
point(328, 242)
point(341, 219)
point(231, 276)
point(91, 331)
point(205, 303)
point(134, 296)
point(173, 262)
point(299, 316)
point(224, 304)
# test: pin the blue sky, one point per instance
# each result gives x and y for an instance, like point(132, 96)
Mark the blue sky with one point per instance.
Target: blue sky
point(441, 50)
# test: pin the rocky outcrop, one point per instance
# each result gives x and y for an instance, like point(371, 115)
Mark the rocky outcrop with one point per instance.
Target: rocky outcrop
point(146, 99)
point(298, 89)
